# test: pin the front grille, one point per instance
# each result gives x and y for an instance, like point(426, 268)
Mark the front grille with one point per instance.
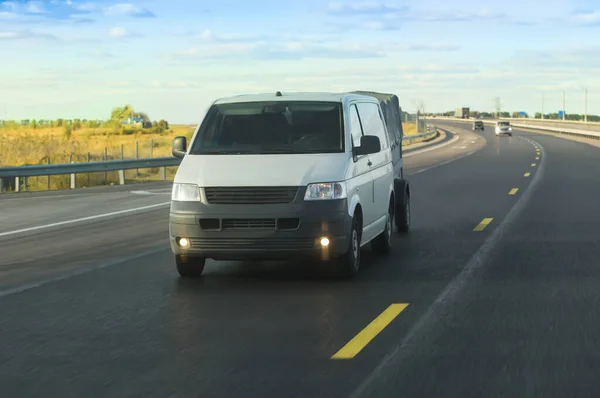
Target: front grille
point(252, 243)
point(250, 195)
point(250, 223)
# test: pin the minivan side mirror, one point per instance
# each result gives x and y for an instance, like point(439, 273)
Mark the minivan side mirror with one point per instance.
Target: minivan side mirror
point(368, 144)
point(179, 147)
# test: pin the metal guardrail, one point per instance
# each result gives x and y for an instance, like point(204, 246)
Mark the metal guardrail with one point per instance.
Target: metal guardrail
point(539, 126)
point(22, 172)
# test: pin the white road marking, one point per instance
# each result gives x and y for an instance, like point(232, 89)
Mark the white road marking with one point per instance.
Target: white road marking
point(443, 163)
point(453, 140)
point(439, 308)
point(79, 271)
point(153, 192)
point(89, 218)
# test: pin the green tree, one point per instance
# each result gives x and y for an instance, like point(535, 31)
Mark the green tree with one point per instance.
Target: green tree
point(121, 113)
point(76, 124)
point(59, 122)
point(67, 131)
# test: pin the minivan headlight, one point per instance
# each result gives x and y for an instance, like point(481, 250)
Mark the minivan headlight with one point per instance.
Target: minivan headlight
point(185, 193)
point(325, 190)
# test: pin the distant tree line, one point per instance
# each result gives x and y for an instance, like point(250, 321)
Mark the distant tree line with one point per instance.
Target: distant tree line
point(538, 115)
point(114, 124)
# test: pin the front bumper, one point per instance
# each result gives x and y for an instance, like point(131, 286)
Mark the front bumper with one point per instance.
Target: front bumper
point(260, 232)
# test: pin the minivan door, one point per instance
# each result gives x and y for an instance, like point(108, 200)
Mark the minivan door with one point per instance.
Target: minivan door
point(380, 163)
point(362, 180)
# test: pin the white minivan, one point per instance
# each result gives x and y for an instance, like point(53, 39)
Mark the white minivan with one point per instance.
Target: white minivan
point(282, 176)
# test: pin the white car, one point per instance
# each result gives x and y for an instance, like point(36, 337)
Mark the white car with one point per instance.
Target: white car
point(503, 127)
point(276, 177)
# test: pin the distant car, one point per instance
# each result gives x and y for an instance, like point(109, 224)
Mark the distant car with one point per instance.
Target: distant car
point(478, 125)
point(503, 127)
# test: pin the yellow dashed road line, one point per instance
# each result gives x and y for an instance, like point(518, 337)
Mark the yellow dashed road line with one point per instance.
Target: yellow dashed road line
point(354, 346)
point(527, 174)
point(513, 191)
point(533, 164)
point(481, 226)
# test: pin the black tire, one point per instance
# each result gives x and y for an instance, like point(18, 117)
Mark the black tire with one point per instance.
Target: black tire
point(382, 244)
point(348, 265)
point(190, 267)
point(402, 213)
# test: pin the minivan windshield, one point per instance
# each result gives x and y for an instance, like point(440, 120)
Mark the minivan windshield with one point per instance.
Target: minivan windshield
point(503, 124)
point(274, 127)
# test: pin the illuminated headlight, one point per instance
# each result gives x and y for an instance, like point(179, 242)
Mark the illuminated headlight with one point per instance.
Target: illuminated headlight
point(510, 129)
point(325, 190)
point(185, 193)
point(183, 242)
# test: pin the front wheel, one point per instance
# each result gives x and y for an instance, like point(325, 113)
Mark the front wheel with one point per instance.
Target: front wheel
point(190, 267)
point(348, 265)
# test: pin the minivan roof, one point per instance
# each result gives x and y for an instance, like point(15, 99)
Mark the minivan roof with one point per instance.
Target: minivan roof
point(295, 96)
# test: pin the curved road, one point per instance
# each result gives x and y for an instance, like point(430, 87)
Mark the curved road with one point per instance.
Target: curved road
point(493, 293)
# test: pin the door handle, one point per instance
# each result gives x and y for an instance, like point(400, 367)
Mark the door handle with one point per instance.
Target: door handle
point(369, 163)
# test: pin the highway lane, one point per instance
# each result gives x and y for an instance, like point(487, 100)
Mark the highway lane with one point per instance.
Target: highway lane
point(49, 233)
point(133, 328)
point(34, 209)
point(525, 323)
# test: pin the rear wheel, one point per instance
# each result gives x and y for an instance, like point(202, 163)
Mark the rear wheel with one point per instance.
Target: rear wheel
point(190, 267)
point(402, 213)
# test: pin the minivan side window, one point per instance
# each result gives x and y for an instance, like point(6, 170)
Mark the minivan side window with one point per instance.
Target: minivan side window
point(372, 122)
point(355, 126)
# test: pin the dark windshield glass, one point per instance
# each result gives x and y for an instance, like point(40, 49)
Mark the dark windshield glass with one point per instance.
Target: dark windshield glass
point(270, 128)
point(503, 124)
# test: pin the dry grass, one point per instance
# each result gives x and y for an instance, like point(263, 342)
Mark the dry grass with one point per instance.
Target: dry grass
point(409, 128)
point(27, 146)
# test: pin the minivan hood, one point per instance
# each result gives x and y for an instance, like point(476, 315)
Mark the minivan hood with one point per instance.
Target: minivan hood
point(261, 170)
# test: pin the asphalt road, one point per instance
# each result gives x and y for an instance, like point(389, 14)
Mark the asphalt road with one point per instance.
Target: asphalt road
point(493, 293)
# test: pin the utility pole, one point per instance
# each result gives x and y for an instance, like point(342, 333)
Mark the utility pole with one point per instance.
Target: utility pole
point(564, 100)
point(585, 110)
point(498, 107)
point(542, 106)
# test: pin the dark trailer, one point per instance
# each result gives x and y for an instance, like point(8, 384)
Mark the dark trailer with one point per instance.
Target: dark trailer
point(392, 114)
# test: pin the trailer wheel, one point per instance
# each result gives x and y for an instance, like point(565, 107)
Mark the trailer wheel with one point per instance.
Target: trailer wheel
point(402, 213)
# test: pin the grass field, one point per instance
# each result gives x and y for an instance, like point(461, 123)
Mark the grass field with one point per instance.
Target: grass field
point(27, 146)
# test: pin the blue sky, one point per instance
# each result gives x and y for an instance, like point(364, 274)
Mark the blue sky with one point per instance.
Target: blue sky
point(68, 58)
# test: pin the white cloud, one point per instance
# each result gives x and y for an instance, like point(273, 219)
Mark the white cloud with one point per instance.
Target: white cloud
point(11, 5)
point(588, 18)
point(8, 35)
point(208, 35)
point(118, 32)
point(81, 6)
point(431, 47)
point(363, 8)
point(25, 34)
point(34, 7)
point(128, 10)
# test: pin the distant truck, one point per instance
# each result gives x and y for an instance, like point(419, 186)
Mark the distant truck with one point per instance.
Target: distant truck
point(462, 113)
